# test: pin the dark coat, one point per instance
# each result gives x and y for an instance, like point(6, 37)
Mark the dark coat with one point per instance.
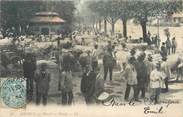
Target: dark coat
point(42, 80)
point(29, 68)
point(68, 62)
point(163, 51)
point(66, 81)
point(142, 73)
point(88, 84)
point(5, 60)
point(168, 43)
point(108, 60)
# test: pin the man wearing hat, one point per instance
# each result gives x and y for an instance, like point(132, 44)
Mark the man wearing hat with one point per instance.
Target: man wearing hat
point(174, 45)
point(67, 61)
point(88, 85)
point(67, 87)
point(85, 59)
point(109, 46)
point(150, 67)
point(142, 75)
point(130, 75)
point(108, 63)
point(95, 57)
point(168, 45)
point(166, 69)
point(163, 50)
point(89, 58)
point(42, 79)
point(29, 68)
point(132, 53)
point(156, 78)
point(124, 59)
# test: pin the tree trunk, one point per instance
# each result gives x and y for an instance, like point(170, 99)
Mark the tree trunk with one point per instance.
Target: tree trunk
point(124, 27)
point(112, 25)
point(144, 30)
point(93, 26)
point(97, 28)
point(105, 26)
point(100, 25)
point(96, 25)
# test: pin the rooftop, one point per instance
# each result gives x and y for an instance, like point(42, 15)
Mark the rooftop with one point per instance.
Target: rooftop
point(47, 17)
point(47, 14)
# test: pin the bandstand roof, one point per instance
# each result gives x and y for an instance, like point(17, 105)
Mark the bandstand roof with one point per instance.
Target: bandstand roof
point(47, 17)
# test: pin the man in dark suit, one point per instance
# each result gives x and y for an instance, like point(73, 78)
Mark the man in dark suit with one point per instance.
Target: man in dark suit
point(142, 75)
point(42, 79)
point(29, 67)
point(88, 85)
point(108, 63)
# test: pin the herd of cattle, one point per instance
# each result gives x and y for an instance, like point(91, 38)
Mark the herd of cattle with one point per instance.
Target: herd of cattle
point(47, 50)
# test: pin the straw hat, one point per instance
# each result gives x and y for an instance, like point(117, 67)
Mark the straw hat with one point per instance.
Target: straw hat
point(104, 96)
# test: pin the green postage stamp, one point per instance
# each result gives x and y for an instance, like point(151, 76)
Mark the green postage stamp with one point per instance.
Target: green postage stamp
point(13, 92)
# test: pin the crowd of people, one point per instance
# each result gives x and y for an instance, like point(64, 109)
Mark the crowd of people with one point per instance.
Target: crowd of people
point(144, 76)
point(168, 47)
point(139, 73)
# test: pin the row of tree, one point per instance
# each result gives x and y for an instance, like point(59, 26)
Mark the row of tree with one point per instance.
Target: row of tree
point(112, 10)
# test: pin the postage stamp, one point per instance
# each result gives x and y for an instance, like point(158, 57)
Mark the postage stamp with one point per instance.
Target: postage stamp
point(13, 92)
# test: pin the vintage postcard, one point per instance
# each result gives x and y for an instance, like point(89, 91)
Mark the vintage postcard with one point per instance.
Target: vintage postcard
point(79, 58)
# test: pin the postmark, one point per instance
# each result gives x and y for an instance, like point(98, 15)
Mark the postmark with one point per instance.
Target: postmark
point(13, 92)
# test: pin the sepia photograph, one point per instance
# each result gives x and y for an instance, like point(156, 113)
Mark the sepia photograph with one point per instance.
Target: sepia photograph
point(71, 58)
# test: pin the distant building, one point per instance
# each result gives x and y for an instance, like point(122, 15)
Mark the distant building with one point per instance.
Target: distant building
point(46, 23)
point(169, 20)
point(177, 18)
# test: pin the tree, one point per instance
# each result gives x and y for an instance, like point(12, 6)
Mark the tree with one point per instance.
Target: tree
point(143, 10)
point(108, 10)
point(66, 10)
point(126, 13)
point(99, 10)
point(18, 13)
point(113, 12)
